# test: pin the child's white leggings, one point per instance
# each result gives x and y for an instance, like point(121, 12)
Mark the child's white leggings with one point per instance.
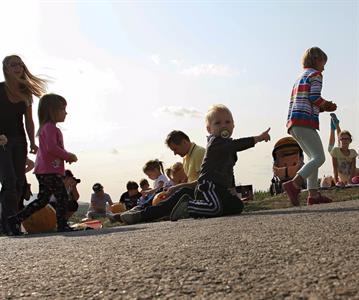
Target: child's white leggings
point(310, 142)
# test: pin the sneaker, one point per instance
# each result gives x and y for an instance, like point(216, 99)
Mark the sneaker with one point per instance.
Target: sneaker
point(180, 210)
point(318, 200)
point(14, 226)
point(131, 217)
point(292, 192)
point(324, 199)
point(65, 228)
point(313, 200)
point(114, 218)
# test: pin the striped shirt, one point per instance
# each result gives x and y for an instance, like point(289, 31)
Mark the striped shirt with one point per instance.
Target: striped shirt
point(305, 100)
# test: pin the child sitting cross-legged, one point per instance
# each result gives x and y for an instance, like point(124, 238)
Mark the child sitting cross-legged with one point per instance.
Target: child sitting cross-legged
point(215, 191)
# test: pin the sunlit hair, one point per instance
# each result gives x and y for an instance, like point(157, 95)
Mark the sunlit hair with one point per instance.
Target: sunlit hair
point(21, 89)
point(345, 132)
point(213, 110)
point(176, 137)
point(49, 105)
point(152, 165)
point(173, 169)
point(312, 56)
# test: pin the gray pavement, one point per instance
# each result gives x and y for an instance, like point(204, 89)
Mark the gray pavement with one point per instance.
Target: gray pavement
point(297, 253)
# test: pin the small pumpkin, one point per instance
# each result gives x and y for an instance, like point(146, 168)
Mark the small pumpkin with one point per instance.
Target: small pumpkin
point(43, 220)
point(117, 208)
point(159, 197)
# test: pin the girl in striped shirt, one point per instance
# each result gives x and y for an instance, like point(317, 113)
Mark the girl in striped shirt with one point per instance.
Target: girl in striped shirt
point(305, 105)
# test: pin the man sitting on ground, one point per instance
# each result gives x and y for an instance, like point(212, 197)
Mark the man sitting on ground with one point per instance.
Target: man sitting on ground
point(192, 155)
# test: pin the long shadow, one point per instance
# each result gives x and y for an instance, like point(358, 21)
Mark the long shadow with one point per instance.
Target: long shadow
point(81, 233)
point(302, 211)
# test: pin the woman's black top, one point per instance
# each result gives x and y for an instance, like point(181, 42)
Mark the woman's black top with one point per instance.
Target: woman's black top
point(11, 115)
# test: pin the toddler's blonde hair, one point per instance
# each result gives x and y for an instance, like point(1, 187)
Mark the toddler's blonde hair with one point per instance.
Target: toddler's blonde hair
point(312, 56)
point(213, 110)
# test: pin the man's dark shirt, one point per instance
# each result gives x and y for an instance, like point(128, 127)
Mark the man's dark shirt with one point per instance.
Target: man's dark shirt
point(130, 202)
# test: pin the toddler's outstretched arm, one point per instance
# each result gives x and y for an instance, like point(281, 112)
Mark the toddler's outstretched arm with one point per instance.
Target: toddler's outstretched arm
point(264, 136)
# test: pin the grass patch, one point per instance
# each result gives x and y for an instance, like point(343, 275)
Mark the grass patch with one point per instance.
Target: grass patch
point(264, 201)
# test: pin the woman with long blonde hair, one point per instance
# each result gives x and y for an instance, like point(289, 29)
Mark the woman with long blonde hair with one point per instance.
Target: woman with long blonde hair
point(16, 106)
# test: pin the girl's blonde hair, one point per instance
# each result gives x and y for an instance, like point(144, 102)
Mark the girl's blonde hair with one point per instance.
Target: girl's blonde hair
point(153, 165)
point(312, 56)
point(49, 105)
point(22, 88)
point(347, 133)
point(215, 109)
point(173, 169)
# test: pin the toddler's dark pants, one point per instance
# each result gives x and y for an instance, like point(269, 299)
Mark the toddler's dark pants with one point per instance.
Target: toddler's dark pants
point(165, 207)
point(212, 200)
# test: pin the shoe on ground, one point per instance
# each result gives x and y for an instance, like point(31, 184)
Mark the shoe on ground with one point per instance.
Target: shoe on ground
point(114, 218)
point(131, 217)
point(318, 200)
point(292, 192)
point(180, 210)
point(324, 199)
point(14, 226)
point(65, 228)
point(312, 200)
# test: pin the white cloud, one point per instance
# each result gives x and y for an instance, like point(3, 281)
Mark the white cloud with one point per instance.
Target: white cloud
point(178, 111)
point(209, 70)
point(155, 58)
point(176, 62)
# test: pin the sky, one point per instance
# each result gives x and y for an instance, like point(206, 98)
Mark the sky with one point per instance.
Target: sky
point(132, 71)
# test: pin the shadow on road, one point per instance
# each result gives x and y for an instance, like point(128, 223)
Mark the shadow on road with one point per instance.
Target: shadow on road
point(304, 210)
point(80, 233)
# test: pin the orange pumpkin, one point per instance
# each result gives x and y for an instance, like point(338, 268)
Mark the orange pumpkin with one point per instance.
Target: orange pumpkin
point(43, 220)
point(117, 208)
point(159, 197)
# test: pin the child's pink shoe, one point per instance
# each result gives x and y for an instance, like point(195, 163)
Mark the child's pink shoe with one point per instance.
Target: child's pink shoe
point(292, 192)
point(318, 200)
point(355, 180)
point(313, 200)
point(324, 199)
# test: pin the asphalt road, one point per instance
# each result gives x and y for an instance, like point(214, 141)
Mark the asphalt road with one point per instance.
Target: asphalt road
point(298, 253)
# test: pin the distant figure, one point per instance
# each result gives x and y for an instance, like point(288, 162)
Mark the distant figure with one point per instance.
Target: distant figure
point(303, 122)
point(15, 106)
point(49, 164)
point(99, 199)
point(343, 158)
point(144, 185)
point(130, 198)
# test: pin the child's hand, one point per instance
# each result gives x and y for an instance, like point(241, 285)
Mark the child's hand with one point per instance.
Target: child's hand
point(3, 140)
point(72, 158)
point(264, 136)
point(328, 106)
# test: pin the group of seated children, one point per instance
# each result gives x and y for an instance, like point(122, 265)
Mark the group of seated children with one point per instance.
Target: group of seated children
point(100, 204)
